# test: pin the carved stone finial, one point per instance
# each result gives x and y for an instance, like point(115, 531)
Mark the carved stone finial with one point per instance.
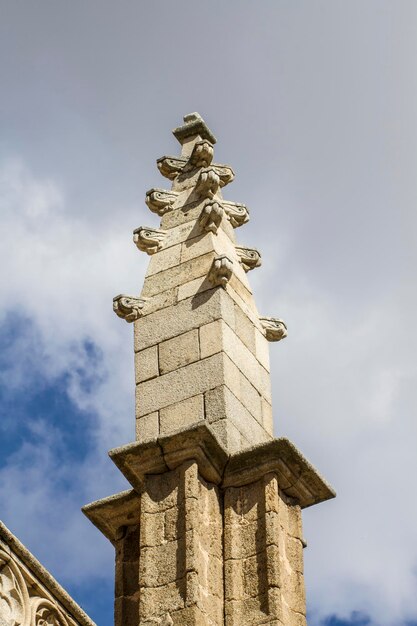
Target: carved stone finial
point(225, 173)
point(208, 183)
point(211, 217)
point(221, 271)
point(237, 214)
point(170, 166)
point(202, 154)
point(149, 240)
point(249, 258)
point(160, 201)
point(194, 125)
point(274, 328)
point(129, 308)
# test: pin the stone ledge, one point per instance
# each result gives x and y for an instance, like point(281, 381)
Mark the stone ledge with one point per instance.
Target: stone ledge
point(297, 478)
point(168, 452)
point(110, 514)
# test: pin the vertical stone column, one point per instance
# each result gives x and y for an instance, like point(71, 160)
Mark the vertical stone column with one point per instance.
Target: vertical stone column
point(126, 603)
point(181, 565)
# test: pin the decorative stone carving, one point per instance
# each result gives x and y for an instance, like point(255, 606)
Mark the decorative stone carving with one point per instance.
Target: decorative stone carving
point(237, 214)
point(128, 308)
point(249, 258)
point(45, 613)
point(202, 154)
point(14, 597)
point(170, 166)
point(274, 328)
point(160, 201)
point(225, 173)
point(208, 183)
point(149, 240)
point(211, 217)
point(221, 271)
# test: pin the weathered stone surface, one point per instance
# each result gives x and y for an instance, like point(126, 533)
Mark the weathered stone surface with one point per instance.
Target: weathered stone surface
point(146, 364)
point(28, 593)
point(181, 414)
point(179, 351)
point(187, 315)
point(147, 427)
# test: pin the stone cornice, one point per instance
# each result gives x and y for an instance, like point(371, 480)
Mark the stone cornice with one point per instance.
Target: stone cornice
point(111, 514)
point(297, 478)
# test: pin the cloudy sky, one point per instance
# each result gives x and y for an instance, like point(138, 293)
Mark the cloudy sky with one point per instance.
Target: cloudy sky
point(314, 105)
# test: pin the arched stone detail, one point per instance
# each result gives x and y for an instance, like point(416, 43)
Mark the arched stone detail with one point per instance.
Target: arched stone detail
point(14, 596)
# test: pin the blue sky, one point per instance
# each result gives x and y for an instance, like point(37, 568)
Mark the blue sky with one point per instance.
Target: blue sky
point(314, 105)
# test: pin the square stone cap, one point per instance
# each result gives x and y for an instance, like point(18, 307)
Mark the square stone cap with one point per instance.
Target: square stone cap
point(110, 515)
point(297, 478)
point(198, 443)
point(11, 545)
point(194, 125)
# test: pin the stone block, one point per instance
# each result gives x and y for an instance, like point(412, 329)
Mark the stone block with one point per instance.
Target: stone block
point(194, 287)
point(146, 364)
point(221, 403)
point(152, 529)
point(267, 417)
point(147, 427)
point(175, 276)
point(245, 329)
point(262, 349)
point(177, 385)
point(294, 552)
point(188, 314)
point(294, 593)
point(242, 291)
point(207, 242)
point(160, 601)
point(164, 259)
point(188, 212)
point(179, 351)
point(229, 435)
point(219, 336)
point(181, 414)
point(160, 565)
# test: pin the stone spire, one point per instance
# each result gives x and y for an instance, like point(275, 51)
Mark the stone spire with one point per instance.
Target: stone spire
point(210, 533)
point(201, 350)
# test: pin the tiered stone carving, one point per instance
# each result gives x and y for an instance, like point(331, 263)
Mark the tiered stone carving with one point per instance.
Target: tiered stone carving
point(237, 214)
point(149, 240)
point(211, 217)
point(160, 201)
point(211, 531)
point(208, 183)
point(249, 258)
point(129, 308)
point(274, 328)
point(221, 271)
point(202, 154)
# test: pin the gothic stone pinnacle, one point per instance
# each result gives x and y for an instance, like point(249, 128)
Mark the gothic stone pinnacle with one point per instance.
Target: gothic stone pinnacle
point(211, 531)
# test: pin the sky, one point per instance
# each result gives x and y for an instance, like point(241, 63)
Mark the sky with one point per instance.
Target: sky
point(314, 105)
